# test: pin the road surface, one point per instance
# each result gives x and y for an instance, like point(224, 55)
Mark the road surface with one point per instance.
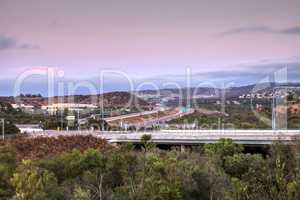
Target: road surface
point(187, 137)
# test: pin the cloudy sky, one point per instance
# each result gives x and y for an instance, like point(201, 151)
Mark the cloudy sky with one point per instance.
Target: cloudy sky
point(147, 38)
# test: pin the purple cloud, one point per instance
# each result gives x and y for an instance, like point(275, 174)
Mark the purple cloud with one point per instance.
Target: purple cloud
point(7, 42)
point(262, 29)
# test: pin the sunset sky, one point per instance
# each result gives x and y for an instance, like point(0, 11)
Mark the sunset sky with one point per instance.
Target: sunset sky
point(147, 38)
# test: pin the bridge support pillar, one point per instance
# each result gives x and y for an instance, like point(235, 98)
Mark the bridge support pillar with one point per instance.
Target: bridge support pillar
point(114, 144)
point(182, 148)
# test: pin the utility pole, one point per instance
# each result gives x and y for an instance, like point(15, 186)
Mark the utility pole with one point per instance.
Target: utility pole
point(78, 119)
point(3, 136)
point(102, 116)
point(273, 113)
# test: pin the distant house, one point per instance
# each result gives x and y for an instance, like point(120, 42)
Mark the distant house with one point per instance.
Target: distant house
point(29, 128)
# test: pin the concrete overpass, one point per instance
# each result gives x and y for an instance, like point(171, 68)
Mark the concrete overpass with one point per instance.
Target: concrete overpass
point(188, 137)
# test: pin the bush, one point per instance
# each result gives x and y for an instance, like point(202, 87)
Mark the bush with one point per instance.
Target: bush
point(33, 183)
point(8, 165)
point(9, 128)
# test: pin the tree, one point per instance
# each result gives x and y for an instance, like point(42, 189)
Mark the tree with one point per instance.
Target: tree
point(97, 124)
point(221, 149)
point(160, 181)
point(81, 194)
point(104, 177)
point(238, 191)
point(6, 108)
point(239, 164)
point(207, 182)
point(33, 183)
point(67, 166)
point(270, 178)
point(10, 128)
point(8, 165)
point(293, 188)
point(290, 96)
point(146, 140)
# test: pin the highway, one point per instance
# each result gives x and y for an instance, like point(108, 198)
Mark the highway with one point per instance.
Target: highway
point(187, 137)
point(144, 119)
point(121, 117)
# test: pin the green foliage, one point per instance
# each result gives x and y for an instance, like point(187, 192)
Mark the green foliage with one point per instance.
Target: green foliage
point(235, 116)
point(54, 124)
point(123, 173)
point(81, 194)
point(201, 120)
point(96, 124)
point(160, 181)
point(8, 165)
point(146, 140)
point(9, 128)
point(33, 183)
point(239, 190)
point(273, 178)
point(239, 164)
point(293, 188)
point(293, 122)
point(291, 97)
point(6, 108)
point(74, 164)
point(222, 149)
point(207, 182)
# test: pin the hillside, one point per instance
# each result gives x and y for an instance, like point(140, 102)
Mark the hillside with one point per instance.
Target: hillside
point(42, 147)
point(112, 99)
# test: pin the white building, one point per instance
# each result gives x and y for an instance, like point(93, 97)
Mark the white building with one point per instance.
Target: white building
point(29, 128)
point(23, 107)
point(54, 108)
point(236, 102)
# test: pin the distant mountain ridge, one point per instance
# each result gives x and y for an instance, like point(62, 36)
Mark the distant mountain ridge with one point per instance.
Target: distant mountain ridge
point(131, 99)
point(230, 92)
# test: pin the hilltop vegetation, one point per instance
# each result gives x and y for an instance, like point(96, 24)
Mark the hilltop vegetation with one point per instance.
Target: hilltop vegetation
point(213, 172)
point(7, 110)
point(236, 118)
